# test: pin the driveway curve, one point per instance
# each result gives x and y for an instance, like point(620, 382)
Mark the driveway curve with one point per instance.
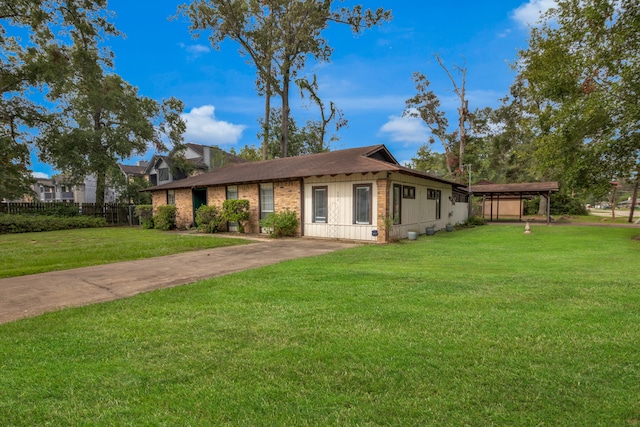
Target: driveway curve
point(31, 295)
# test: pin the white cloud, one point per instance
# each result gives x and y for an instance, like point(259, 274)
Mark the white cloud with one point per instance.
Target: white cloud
point(529, 13)
point(204, 128)
point(40, 175)
point(408, 130)
point(195, 49)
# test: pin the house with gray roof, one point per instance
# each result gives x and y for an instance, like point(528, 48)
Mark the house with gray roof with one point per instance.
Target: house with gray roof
point(196, 158)
point(346, 194)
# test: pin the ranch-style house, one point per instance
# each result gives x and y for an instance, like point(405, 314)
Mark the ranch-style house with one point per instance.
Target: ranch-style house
point(346, 194)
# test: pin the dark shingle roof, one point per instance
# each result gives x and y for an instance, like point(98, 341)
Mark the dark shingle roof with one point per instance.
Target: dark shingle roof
point(375, 158)
point(132, 170)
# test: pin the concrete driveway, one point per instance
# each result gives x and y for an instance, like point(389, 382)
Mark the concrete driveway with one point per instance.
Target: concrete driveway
point(35, 294)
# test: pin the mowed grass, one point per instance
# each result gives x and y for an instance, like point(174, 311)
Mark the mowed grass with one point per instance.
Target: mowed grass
point(486, 326)
point(30, 253)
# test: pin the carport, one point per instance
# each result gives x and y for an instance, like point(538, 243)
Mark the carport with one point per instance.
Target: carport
point(493, 192)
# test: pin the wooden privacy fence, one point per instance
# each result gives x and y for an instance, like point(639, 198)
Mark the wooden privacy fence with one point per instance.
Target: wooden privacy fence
point(113, 213)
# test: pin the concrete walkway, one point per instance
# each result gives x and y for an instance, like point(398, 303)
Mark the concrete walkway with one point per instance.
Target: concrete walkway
point(31, 295)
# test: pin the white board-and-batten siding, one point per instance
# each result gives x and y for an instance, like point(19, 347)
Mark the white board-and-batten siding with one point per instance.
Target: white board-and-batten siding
point(339, 223)
point(416, 213)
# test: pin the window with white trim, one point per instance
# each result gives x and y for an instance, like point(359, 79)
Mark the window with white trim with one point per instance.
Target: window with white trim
point(266, 200)
point(362, 203)
point(320, 203)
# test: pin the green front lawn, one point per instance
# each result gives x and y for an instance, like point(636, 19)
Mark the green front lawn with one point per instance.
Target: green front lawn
point(486, 326)
point(30, 253)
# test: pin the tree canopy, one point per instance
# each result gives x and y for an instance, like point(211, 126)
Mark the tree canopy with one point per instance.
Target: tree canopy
point(85, 117)
point(581, 81)
point(278, 36)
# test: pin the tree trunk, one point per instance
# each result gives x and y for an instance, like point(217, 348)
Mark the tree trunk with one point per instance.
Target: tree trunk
point(284, 142)
point(542, 209)
point(101, 183)
point(267, 120)
point(614, 196)
point(634, 199)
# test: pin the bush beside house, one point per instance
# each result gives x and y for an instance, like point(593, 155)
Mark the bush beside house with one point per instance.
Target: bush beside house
point(165, 218)
point(209, 219)
point(236, 211)
point(10, 223)
point(281, 224)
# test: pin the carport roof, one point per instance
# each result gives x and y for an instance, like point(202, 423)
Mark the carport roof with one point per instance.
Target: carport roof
point(521, 189)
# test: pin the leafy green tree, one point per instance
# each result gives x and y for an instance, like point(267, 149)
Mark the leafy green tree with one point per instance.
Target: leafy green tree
point(93, 118)
point(581, 79)
point(301, 141)
point(278, 36)
point(35, 42)
point(248, 152)
point(101, 119)
point(131, 191)
point(428, 161)
point(426, 106)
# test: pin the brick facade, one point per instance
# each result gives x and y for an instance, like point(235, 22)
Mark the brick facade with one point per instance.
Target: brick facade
point(158, 198)
point(383, 209)
point(216, 196)
point(287, 195)
point(184, 203)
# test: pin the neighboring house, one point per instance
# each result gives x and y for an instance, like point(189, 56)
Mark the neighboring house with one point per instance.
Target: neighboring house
point(137, 171)
point(202, 158)
point(55, 189)
point(86, 192)
point(344, 194)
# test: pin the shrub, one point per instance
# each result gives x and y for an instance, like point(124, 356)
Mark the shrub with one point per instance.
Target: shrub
point(165, 218)
point(236, 211)
point(475, 220)
point(281, 224)
point(145, 213)
point(62, 210)
point(10, 223)
point(563, 204)
point(209, 219)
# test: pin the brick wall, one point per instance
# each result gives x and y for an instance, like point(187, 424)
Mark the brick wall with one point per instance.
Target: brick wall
point(216, 196)
point(184, 203)
point(158, 198)
point(251, 192)
point(383, 209)
point(287, 195)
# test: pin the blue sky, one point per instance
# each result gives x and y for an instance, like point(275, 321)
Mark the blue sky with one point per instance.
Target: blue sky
point(368, 78)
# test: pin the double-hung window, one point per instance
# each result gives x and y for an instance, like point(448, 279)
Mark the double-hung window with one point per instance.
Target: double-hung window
point(163, 174)
point(171, 197)
point(362, 200)
point(320, 204)
point(397, 203)
point(266, 200)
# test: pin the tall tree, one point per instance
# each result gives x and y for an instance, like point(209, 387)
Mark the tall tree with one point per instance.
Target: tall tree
point(101, 119)
point(278, 36)
point(316, 130)
point(426, 105)
point(35, 39)
point(582, 80)
point(92, 118)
